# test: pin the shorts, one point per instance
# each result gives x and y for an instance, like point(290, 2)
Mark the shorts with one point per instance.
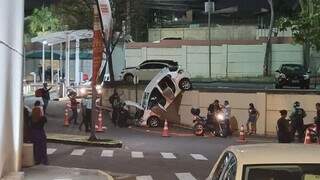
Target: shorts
point(252, 120)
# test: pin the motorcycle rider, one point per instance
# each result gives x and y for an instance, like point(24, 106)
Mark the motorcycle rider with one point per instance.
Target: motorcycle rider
point(297, 123)
point(227, 115)
point(283, 128)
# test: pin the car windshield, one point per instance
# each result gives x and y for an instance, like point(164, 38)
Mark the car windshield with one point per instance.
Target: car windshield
point(292, 68)
point(283, 171)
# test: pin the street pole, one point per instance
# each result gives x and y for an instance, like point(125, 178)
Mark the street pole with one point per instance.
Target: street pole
point(209, 26)
point(51, 63)
point(43, 61)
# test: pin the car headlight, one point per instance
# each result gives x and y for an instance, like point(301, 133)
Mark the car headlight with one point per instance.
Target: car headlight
point(220, 117)
point(306, 76)
point(83, 91)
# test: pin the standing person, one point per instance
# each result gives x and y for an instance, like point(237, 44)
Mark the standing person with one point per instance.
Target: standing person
point(115, 103)
point(74, 107)
point(26, 125)
point(38, 134)
point(40, 72)
point(283, 128)
point(253, 117)
point(297, 123)
point(46, 96)
point(227, 115)
point(317, 118)
point(87, 108)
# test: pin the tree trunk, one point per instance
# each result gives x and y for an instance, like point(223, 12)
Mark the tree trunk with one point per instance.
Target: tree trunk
point(306, 55)
point(268, 54)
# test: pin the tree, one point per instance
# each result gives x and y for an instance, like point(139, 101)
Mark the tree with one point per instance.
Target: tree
point(305, 27)
point(268, 54)
point(42, 20)
point(75, 14)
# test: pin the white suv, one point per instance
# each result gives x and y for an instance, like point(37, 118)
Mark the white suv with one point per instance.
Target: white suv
point(147, 70)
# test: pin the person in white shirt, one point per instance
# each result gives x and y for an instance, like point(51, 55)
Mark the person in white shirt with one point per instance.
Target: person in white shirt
point(86, 110)
point(227, 115)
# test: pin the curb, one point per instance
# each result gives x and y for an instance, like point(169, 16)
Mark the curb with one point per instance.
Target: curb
point(82, 140)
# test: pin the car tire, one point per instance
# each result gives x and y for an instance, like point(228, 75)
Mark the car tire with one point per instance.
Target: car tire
point(128, 78)
point(153, 121)
point(185, 84)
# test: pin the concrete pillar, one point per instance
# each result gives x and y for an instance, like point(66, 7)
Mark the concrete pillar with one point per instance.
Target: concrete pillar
point(77, 63)
point(11, 63)
point(43, 60)
point(67, 67)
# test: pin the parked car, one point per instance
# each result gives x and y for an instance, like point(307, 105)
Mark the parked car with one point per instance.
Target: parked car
point(147, 70)
point(268, 161)
point(292, 75)
point(159, 94)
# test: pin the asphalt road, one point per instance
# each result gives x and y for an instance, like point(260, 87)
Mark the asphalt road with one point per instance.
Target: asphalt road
point(145, 154)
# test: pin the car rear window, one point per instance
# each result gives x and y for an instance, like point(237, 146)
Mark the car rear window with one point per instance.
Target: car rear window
point(282, 172)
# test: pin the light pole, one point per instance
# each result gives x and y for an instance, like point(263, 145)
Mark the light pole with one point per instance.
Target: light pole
point(209, 26)
point(43, 60)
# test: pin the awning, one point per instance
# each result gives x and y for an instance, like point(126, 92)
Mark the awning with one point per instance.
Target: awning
point(38, 55)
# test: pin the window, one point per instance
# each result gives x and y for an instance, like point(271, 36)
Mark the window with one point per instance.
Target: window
point(227, 167)
point(167, 82)
point(155, 98)
point(153, 66)
point(282, 171)
point(146, 66)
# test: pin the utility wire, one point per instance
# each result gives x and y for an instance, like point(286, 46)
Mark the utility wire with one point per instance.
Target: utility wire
point(11, 48)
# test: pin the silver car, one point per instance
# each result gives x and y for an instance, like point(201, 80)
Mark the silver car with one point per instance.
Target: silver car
point(147, 70)
point(159, 94)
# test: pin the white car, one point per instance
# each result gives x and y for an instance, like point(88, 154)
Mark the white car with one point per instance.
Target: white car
point(146, 70)
point(268, 162)
point(159, 94)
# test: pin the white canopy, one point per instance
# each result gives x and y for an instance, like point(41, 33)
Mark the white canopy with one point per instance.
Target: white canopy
point(63, 36)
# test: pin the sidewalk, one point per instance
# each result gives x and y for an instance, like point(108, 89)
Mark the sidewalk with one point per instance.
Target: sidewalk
point(60, 173)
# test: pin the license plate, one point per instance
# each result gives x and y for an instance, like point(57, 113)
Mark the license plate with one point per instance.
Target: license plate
point(295, 81)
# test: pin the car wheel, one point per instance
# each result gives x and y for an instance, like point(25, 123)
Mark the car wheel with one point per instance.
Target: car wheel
point(185, 84)
point(128, 78)
point(153, 121)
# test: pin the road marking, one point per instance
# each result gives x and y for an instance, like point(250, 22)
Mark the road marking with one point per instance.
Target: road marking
point(107, 153)
point(78, 152)
point(168, 155)
point(199, 157)
point(51, 150)
point(185, 176)
point(135, 154)
point(144, 178)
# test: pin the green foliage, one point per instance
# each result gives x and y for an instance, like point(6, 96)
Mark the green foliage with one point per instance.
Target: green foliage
point(306, 25)
point(42, 21)
point(75, 14)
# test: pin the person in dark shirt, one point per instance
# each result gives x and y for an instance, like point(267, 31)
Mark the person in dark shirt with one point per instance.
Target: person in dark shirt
point(74, 107)
point(283, 128)
point(46, 96)
point(297, 123)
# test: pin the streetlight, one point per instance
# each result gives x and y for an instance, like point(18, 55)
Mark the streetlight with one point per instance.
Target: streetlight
point(209, 7)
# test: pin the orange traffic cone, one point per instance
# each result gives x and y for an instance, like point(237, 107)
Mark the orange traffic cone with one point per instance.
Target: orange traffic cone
point(66, 116)
point(99, 127)
point(165, 132)
point(242, 138)
point(307, 139)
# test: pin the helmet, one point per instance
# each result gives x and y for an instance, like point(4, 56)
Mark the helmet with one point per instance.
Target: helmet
point(296, 104)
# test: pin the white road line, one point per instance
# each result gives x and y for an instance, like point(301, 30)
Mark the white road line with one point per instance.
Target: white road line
point(135, 154)
point(51, 150)
point(107, 153)
point(199, 157)
point(185, 176)
point(78, 152)
point(168, 155)
point(144, 178)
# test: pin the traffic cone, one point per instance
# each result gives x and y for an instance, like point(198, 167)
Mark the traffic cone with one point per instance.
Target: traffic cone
point(165, 132)
point(307, 139)
point(99, 127)
point(66, 116)
point(242, 138)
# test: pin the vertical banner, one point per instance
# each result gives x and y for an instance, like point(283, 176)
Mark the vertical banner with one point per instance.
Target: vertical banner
point(106, 18)
point(97, 46)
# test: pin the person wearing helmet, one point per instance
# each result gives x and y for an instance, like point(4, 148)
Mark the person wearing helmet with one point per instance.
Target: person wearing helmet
point(253, 117)
point(297, 123)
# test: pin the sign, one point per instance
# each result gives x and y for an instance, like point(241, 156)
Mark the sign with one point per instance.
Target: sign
point(97, 46)
point(206, 7)
point(106, 16)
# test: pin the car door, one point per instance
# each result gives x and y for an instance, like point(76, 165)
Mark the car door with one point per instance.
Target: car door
point(156, 68)
point(144, 71)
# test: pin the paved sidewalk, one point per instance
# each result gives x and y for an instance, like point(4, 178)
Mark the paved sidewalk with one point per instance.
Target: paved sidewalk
point(60, 173)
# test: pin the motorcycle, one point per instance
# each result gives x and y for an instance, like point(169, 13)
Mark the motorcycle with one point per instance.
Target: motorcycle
point(202, 124)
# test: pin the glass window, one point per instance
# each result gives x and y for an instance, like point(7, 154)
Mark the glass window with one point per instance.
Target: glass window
point(146, 66)
point(153, 66)
point(167, 82)
point(227, 167)
point(283, 171)
point(155, 98)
